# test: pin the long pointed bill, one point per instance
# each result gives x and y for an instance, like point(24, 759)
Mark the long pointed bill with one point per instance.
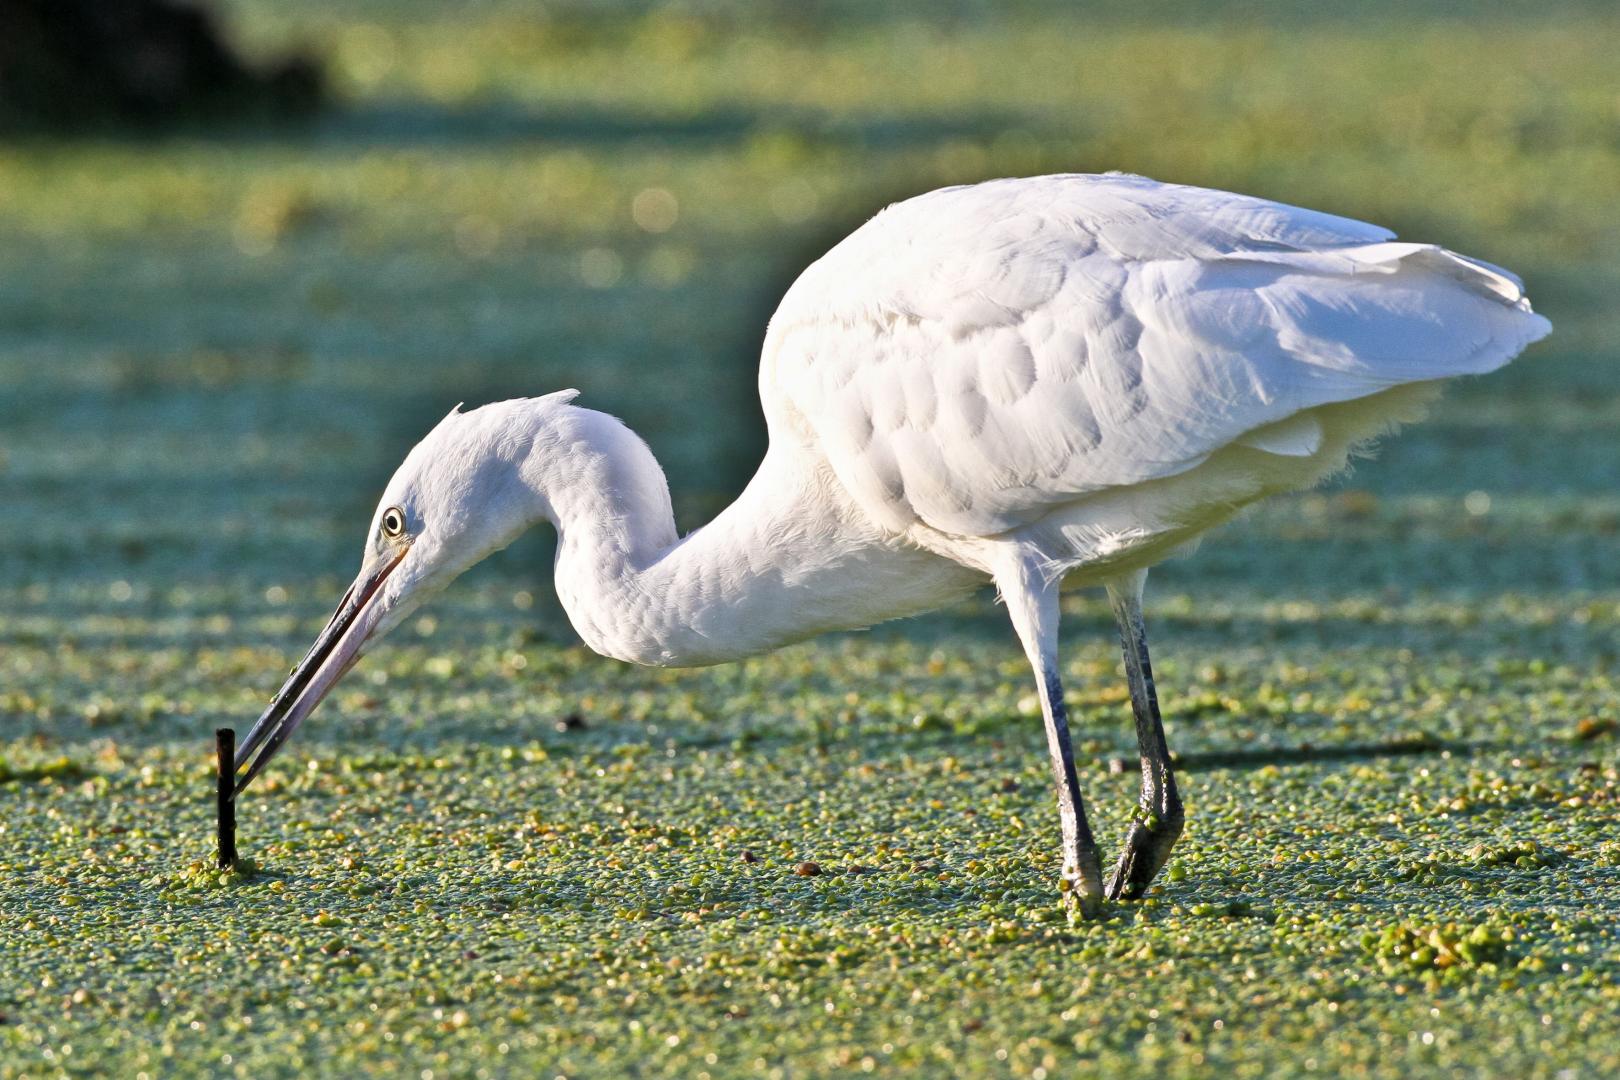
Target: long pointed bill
point(333, 654)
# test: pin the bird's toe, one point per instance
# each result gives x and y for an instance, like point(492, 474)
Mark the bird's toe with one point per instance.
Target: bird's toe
point(1147, 849)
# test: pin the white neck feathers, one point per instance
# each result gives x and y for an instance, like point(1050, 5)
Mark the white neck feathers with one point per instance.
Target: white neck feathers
point(774, 567)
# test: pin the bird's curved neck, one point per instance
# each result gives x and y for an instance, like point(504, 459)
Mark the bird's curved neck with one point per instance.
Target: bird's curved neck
point(782, 563)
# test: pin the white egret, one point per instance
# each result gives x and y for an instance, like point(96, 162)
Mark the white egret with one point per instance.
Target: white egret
point(1038, 383)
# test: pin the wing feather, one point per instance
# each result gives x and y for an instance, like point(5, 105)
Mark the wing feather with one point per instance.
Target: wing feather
point(975, 357)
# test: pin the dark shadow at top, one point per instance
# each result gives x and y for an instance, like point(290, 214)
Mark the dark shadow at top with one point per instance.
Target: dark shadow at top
point(406, 123)
point(418, 123)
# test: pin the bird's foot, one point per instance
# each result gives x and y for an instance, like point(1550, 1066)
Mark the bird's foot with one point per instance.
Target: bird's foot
point(1083, 888)
point(1086, 903)
point(1147, 849)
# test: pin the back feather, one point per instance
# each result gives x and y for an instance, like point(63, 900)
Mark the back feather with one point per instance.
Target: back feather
point(973, 358)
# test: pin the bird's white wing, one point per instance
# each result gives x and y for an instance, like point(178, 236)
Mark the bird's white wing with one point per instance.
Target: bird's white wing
point(975, 357)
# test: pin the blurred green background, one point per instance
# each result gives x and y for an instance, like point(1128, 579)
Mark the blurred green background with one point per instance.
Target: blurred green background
point(215, 348)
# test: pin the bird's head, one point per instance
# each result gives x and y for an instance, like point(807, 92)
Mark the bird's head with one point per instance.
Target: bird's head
point(460, 495)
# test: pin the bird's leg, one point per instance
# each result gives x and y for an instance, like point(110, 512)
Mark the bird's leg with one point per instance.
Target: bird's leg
point(1033, 604)
point(1082, 869)
point(1159, 816)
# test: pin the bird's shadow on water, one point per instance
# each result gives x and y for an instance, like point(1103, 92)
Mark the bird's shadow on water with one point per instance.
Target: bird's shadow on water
point(1306, 753)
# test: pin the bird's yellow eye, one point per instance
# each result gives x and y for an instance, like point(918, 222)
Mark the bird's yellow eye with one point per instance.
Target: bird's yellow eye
point(393, 523)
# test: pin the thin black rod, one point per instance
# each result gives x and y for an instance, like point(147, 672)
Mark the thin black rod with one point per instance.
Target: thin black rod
point(225, 791)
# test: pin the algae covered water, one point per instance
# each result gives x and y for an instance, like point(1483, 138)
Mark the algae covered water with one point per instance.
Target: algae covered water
point(1394, 700)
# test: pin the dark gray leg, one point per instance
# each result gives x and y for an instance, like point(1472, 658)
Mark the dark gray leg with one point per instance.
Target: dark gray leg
point(1082, 869)
point(1159, 815)
point(1033, 604)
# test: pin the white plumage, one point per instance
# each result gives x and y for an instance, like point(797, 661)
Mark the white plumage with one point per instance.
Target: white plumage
point(972, 359)
point(1039, 383)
